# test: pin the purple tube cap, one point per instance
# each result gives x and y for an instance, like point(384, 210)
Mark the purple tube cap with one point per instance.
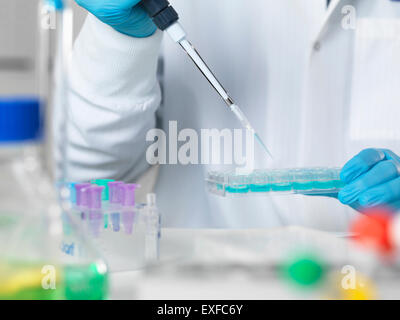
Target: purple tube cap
point(127, 194)
point(94, 194)
point(81, 195)
point(113, 191)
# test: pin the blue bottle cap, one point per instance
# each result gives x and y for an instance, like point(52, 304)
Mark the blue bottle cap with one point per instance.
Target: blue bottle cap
point(20, 119)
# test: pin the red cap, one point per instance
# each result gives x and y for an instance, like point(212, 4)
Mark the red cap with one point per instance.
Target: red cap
point(372, 229)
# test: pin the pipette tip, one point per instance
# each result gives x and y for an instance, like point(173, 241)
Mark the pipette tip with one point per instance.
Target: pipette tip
point(258, 138)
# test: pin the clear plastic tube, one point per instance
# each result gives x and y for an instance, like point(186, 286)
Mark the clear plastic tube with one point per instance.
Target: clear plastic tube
point(64, 42)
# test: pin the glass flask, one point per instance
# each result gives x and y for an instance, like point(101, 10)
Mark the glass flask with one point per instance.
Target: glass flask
point(43, 252)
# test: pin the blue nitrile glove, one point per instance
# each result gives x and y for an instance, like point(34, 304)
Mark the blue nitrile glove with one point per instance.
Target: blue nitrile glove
point(125, 16)
point(372, 179)
point(56, 4)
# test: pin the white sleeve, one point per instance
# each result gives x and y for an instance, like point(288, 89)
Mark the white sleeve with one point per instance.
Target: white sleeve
point(113, 98)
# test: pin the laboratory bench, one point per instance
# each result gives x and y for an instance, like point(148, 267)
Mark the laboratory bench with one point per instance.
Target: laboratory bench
point(246, 264)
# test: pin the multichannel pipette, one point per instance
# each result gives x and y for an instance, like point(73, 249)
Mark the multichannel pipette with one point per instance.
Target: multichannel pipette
point(166, 19)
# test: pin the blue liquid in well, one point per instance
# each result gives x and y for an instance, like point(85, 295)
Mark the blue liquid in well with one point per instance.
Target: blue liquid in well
point(279, 187)
point(325, 185)
point(260, 187)
point(303, 186)
point(238, 189)
point(339, 184)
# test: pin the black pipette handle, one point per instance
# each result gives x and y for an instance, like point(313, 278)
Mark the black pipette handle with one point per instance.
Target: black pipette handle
point(161, 12)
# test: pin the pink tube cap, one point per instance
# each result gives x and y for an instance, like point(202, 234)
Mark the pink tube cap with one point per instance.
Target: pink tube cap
point(81, 195)
point(94, 196)
point(113, 191)
point(127, 194)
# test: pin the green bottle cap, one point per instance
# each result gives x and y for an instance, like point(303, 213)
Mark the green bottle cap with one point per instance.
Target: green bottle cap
point(103, 183)
point(305, 271)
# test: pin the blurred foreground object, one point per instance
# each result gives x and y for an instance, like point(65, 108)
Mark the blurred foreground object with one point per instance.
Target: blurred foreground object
point(37, 235)
point(356, 287)
point(305, 270)
point(372, 230)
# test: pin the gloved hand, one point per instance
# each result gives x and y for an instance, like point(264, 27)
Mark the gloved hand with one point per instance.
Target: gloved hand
point(125, 16)
point(372, 179)
point(57, 4)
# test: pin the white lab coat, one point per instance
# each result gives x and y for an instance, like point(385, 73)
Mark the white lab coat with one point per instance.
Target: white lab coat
point(317, 93)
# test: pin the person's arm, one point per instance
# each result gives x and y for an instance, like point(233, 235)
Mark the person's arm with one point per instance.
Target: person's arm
point(113, 98)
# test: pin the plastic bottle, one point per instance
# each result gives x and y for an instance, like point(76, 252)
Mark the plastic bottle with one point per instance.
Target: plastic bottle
point(43, 252)
point(20, 130)
point(34, 262)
